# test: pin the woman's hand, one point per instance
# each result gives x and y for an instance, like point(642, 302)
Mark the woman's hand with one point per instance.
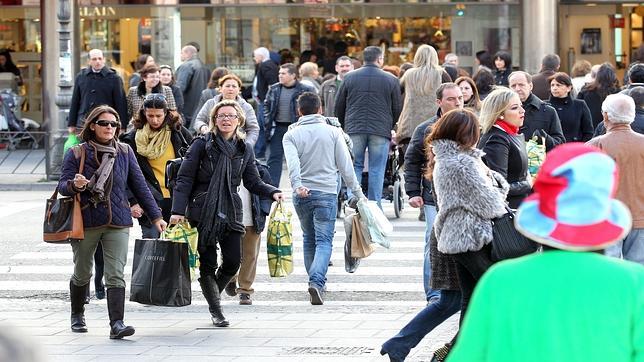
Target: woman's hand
point(160, 224)
point(80, 181)
point(177, 219)
point(136, 211)
point(278, 196)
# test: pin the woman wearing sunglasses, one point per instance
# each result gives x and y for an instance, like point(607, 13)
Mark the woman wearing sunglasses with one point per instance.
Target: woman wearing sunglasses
point(157, 137)
point(206, 193)
point(109, 172)
point(150, 83)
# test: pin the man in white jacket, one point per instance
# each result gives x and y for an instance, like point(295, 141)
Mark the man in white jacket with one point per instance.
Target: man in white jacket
point(315, 153)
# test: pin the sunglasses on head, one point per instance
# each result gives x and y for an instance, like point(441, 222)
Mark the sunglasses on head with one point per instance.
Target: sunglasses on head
point(155, 97)
point(105, 123)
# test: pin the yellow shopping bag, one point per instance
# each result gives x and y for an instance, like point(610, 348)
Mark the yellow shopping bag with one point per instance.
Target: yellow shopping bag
point(279, 242)
point(536, 149)
point(184, 233)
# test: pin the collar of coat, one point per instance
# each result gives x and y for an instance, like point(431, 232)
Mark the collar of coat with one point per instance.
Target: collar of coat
point(105, 71)
point(448, 148)
point(533, 101)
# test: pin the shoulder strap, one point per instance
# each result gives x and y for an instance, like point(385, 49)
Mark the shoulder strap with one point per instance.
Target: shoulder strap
point(79, 152)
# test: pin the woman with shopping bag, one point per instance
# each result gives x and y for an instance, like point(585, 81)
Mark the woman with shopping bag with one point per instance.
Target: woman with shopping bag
point(206, 194)
point(109, 169)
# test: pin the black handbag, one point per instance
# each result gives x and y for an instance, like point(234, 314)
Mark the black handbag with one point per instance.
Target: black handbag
point(507, 242)
point(160, 273)
point(172, 166)
point(63, 222)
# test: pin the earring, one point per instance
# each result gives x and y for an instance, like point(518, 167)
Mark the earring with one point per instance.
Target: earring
point(501, 117)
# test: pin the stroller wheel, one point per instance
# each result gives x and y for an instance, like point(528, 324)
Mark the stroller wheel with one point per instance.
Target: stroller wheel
point(398, 198)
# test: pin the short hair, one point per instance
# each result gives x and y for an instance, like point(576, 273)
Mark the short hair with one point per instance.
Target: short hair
point(86, 133)
point(505, 57)
point(441, 89)
point(527, 75)
point(195, 45)
point(307, 69)
point(636, 73)
point(550, 62)
point(580, 68)
point(308, 103)
point(485, 59)
point(216, 75)
point(343, 58)
point(263, 52)
point(484, 81)
point(229, 76)
point(148, 69)
point(290, 67)
point(493, 107)
point(620, 108)
point(190, 49)
point(561, 78)
point(450, 55)
point(241, 116)
point(637, 93)
point(140, 61)
point(371, 54)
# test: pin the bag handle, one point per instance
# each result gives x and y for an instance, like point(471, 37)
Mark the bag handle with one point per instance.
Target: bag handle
point(80, 168)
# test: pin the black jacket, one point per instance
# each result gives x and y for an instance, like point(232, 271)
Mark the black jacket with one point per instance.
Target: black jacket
point(196, 171)
point(540, 116)
point(95, 89)
point(637, 125)
point(576, 123)
point(272, 103)
point(594, 102)
point(266, 73)
point(506, 154)
point(501, 77)
point(415, 162)
point(368, 102)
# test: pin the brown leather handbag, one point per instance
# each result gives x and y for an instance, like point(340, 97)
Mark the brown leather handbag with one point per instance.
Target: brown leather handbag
point(63, 218)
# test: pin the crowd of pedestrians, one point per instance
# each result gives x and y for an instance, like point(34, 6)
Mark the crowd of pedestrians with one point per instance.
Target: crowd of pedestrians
point(463, 137)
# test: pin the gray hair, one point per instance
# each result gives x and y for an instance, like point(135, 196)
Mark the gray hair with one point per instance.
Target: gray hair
point(620, 108)
point(263, 52)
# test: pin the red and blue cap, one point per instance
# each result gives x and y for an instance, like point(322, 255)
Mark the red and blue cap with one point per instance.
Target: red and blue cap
point(573, 206)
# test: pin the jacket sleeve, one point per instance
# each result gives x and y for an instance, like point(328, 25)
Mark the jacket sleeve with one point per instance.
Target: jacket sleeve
point(120, 103)
point(178, 99)
point(253, 182)
point(70, 168)
point(268, 103)
point(292, 160)
point(496, 151)
point(131, 93)
point(136, 183)
point(202, 117)
point(586, 123)
point(252, 126)
point(184, 74)
point(169, 97)
point(555, 134)
point(341, 102)
point(396, 103)
point(600, 130)
point(186, 176)
point(414, 162)
point(72, 118)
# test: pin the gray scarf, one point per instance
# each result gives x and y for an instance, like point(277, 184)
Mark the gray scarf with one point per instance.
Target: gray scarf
point(100, 184)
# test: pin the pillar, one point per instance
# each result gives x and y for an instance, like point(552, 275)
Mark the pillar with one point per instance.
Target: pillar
point(539, 32)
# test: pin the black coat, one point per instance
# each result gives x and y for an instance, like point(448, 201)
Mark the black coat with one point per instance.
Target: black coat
point(506, 154)
point(95, 89)
point(540, 116)
point(196, 171)
point(415, 161)
point(576, 122)
point(368, 102)
point(501, 77)
point(594, 102)
point(178, 98)
point(266, 75)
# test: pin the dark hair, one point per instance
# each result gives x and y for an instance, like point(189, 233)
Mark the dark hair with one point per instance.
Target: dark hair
point(165, 66)
point(157, 101)
point(451, 70)
point(147, 70)
point(140, 61)
point(485, 59)
point(505, 57)
point(290, 67)
point(87, 134)
point(460, 126)
point(308, 103)
point(216, 74)
point(561, 78)
point(305, 56)
point(484, 81)
point(638, 55)
point(636, 73)
point(343, 58)
point(605, 82)
point(475, 101)
point(550, 62)
point(141, 91)
point(441, 88)
point(637, 93)
point(9, 64)
point(229, 76)
point(371, 54)
point(405, 67)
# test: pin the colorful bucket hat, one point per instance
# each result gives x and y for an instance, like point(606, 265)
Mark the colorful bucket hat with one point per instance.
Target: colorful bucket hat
point(573, 207)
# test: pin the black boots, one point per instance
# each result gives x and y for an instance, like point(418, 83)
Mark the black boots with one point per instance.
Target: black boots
point(210, 291)
point(222, 280)
point(77, 297)
point(115, 307)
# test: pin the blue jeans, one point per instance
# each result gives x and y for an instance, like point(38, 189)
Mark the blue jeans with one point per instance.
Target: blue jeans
point(276, 156)
point(260, 145)
point(430, 215)
point(631, 248)
point(317, 217)
point(378, 147)
point(425, 321)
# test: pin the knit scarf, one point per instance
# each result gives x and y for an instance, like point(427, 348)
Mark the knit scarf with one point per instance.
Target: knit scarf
point(508, 128)
point(218, 213)
point(100, 184)
point(150, 143)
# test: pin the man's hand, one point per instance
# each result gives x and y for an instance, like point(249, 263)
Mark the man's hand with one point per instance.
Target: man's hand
point(161, 225)
point(136, 211)
point(303, 191)
point(416, 202)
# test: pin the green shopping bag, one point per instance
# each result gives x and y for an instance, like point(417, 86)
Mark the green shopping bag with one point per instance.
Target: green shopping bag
point(71, 141)
point(184, 233)
point(279, 242)
point(536, 149)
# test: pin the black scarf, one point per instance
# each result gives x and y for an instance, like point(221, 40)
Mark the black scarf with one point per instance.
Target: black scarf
point(218, 213)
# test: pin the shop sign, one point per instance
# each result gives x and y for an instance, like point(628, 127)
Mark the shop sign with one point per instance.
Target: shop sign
point(97, 11)
point(616, 22)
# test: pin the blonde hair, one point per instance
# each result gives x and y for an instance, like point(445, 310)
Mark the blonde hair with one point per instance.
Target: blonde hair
point(307, 69)
point(426, 75)
point(239, 132)
point(493, 107)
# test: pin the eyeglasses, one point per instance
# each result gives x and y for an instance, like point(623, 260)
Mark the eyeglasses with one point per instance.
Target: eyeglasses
point(155, 97)
point(226, 116)
point(105, 123)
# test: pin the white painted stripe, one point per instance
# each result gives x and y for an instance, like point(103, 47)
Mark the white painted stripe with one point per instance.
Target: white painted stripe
point(16, 207)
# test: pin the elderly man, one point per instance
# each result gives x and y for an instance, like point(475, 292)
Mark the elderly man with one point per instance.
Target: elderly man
point(549, 66)
point(626, 147)
point(265, 75)
point(637, 93)
point(541, 120)
point(192, 78)
point(329, 88)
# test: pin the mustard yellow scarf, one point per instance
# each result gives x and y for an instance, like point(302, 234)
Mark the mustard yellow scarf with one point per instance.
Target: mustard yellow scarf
point(150, 143)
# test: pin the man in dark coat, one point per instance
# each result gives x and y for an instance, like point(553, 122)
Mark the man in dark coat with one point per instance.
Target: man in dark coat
point(94, 86)
point(265, 75)
point(549, 66)
point(368, 105)
point(192, 78)
point(541, 120)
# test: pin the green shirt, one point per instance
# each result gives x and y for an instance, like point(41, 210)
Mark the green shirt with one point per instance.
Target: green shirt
point(556, 306)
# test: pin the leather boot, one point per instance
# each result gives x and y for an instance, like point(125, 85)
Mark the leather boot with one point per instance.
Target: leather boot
point(222, 280)
point(211, 293)
point(115, 309)
point(77, 297)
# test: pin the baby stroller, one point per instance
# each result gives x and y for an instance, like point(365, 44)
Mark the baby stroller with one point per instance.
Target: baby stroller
point(13, 131)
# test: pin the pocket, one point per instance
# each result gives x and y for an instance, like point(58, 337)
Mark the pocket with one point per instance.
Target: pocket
point(195, 205)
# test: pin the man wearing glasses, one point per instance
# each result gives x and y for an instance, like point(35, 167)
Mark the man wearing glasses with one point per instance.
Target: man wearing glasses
point(94, 86)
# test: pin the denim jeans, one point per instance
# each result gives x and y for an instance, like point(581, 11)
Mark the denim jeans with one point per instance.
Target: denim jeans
point(631, 248)
point(378, 147)
point(430, 215)
point(276, 156)
point(425, 321)
point(317, 217)
point(260, 145)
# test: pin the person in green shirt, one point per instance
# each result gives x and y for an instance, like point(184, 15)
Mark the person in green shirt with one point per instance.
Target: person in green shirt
point(569, 303)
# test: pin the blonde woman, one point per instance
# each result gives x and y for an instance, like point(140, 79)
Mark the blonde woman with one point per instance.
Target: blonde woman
point(420, 84)
point(309, 74)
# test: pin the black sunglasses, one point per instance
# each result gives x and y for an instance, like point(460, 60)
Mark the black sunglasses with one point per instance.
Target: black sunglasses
point(155, 97)
point(104, 123)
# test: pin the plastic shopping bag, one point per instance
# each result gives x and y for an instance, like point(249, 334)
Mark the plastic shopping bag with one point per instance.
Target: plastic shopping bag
point(72, 140)
point(536, 149)
point(279, 242)
point(183, 233)
point(377, 223)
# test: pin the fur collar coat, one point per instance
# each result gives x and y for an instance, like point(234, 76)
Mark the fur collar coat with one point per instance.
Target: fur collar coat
point(468, 195)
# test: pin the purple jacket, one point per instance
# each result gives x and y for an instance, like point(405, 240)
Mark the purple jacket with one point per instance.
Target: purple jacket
point(127, 174)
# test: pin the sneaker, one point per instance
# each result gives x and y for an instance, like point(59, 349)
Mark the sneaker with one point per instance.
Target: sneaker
point(244, 299)
point(231, 288)
point(316, 295)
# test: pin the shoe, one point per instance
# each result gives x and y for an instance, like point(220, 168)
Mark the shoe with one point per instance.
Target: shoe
point(244, 299)
point(100, 294)
point(120, 330)
point(231, 288)
point(330, 262)
point(316, 295)
point(441, 353)
point(391, 359)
